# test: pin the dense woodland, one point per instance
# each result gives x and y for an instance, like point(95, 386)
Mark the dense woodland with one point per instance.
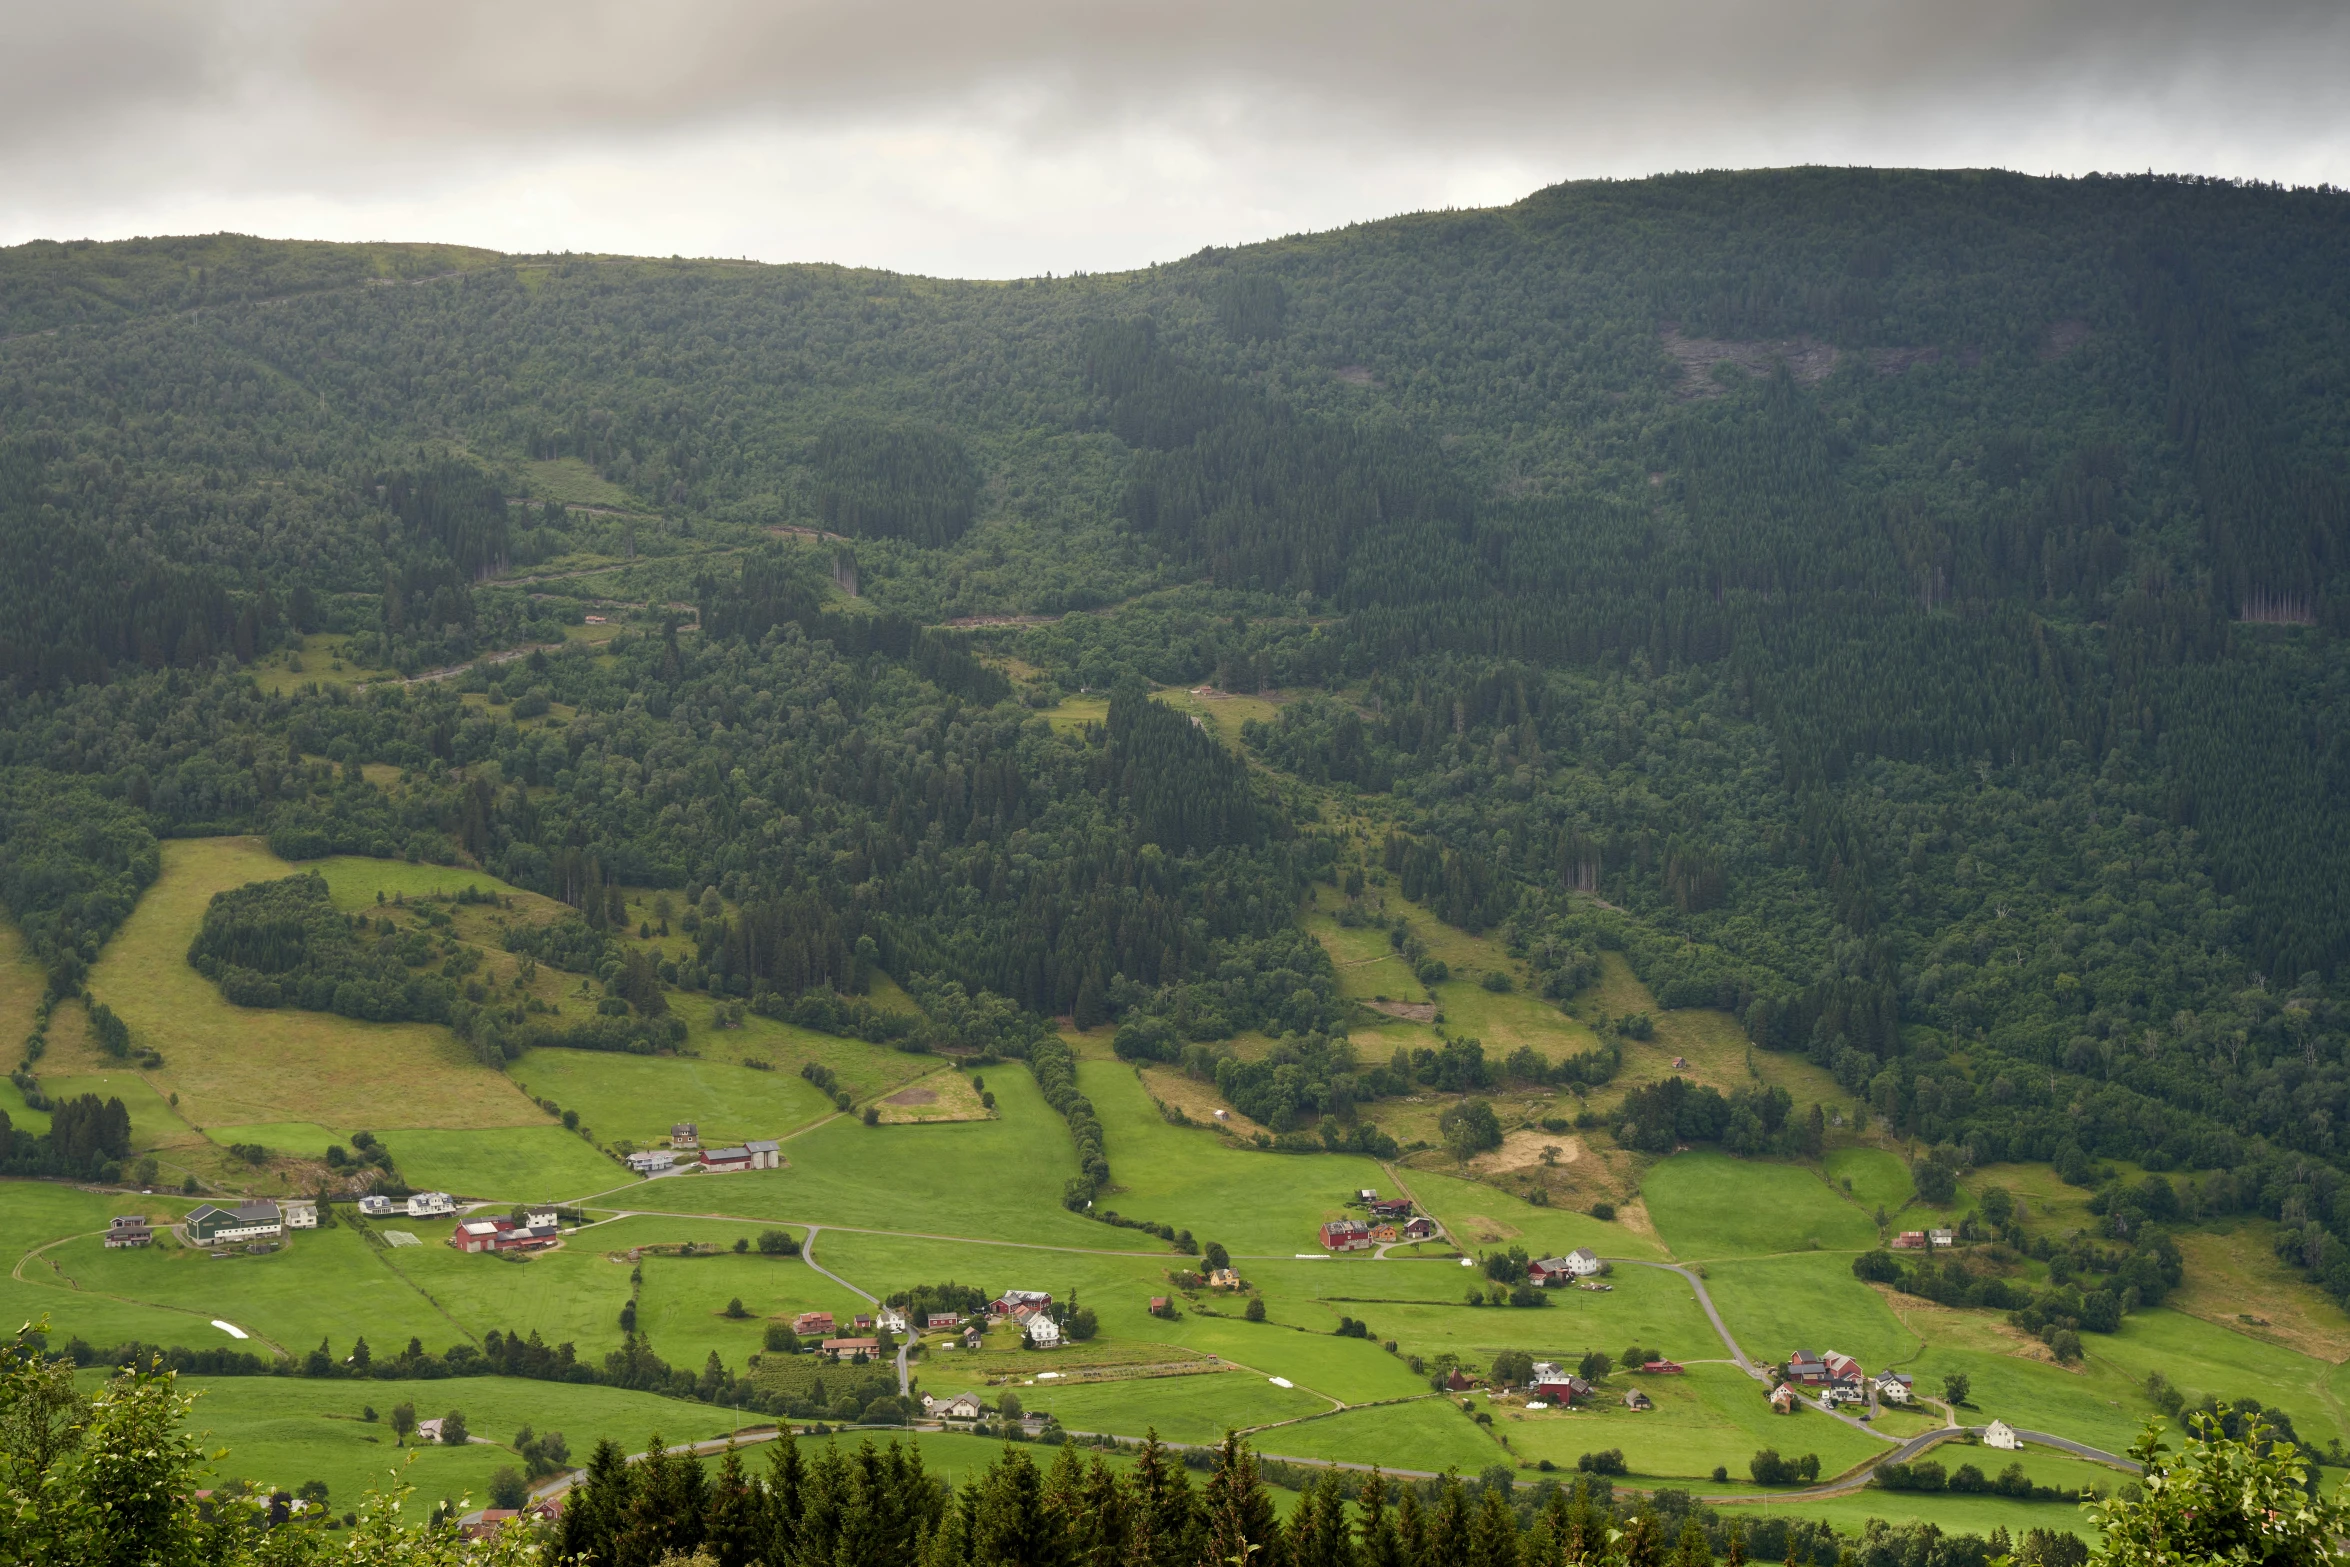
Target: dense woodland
point(1904, 610)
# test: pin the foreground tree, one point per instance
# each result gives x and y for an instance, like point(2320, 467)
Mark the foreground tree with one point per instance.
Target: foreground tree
point(2221, 1499)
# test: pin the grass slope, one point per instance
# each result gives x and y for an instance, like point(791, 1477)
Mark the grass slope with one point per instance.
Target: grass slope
point(1706, 1204)
point(237, 1066)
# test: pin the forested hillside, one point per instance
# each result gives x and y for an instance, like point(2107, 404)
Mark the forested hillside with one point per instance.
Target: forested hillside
point(1905, 609)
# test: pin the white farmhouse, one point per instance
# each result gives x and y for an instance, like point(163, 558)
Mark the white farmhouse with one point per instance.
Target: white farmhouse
point(2001, 1435)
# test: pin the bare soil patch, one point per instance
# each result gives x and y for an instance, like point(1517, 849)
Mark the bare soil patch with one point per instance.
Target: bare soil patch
point(2063, 337)
point(1198, 1101)
point(1410, 1011)
point(1356, 375)
point(1519, 1150)
point(1806, 358)
point(1892, 361)
point(942, 1096)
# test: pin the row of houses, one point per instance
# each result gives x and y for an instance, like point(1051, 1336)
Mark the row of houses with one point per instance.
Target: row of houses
point(757, 1154)
point(822, 1324)
point(1839, 1379)
point(418, 1205)
point(1355, 1235)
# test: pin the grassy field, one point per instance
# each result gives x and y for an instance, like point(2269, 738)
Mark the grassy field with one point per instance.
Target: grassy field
point(1874, 1177)
point(237, 1066)
point(638, 1098)
point(1713, 1415)
point(1430, 1434)
point(541, 1163)
point(1706, 1204)
point(282, 1431)
point(1180, 1409)
point(1773, 1305)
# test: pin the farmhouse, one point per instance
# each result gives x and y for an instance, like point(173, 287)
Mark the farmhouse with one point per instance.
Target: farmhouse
point(1010, 1301)
point(1561, 1389)
point(1942, 1239)
point(725, 1161)
point(301, 1215)
point(2001, 1435)
point(1396, 1208)
point(837, 1347)
point(476, 1235)
point(1804, 1366)
point(1223, 1279)
point(973, 1338)
point(651, 1161)
point(375, 1206)
point(685, 1134)
point(251, 1221)
point(1841, 1369)
point(1783, 1398)
point(1635, 1399)
point(1895, 1387)
point(1550, 1272)
point(1043, 1332)
point(810, 1323)
point(1420, 1229)
point(861, 1323)
point(129, 1229)
point(963, 1406)
point(891, 1319)
point(1346, 1235)
point(431, 1205)
point(941, 1321)
point(1661, 1368)
point(541, 1218)
point(1910, 1240)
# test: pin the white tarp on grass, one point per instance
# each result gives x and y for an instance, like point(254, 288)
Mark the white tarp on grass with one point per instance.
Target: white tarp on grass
point(401, 1238)
point(230, 1328)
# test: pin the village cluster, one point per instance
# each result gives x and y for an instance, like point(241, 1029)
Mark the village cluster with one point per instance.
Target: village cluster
point(1031, 1311)
point(1392, 1220)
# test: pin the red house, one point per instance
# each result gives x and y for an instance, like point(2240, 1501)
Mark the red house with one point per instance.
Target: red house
point(1346, 1235)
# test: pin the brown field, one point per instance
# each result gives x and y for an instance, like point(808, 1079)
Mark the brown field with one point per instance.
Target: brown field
point(1198, 1100)
point(2233, 1274)
point(942, 1096)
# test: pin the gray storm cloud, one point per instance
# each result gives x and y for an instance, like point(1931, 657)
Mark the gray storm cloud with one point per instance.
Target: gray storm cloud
point(119, 110)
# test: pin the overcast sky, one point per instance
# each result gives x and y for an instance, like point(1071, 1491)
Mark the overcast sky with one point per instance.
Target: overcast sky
point(1005, 139)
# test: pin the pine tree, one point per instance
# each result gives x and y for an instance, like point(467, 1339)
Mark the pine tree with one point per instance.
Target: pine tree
point(592, 1512)
point(1493, 1532)
point(1381, 1544)
point(735, 1532)
point(1166, 1512)
point(1242, 1527)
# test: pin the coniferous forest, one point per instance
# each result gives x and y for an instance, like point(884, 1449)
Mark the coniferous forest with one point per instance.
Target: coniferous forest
point(1904, 610)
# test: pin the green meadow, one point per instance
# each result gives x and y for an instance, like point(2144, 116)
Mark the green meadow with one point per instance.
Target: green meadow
point(1707, 1204)
point(510, 1164)
point(285, 1431)
point(639, 1098)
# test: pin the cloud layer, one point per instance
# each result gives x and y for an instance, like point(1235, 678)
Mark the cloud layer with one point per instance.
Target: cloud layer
point(1052, 135)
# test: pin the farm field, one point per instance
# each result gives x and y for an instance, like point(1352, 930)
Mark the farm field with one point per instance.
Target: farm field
point(923, 1199)
point(638, 1098)
point(284, 1431)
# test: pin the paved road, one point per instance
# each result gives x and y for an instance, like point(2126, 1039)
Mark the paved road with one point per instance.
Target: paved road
point(905, 1340)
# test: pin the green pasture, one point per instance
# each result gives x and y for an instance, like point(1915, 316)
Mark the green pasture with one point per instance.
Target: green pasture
point(1421, 1307)
point(572, 1295)
point(989, 1180)
point(1952, 1514)
point(1257, 1204)
point(154, 1124)
point(1877, 1177)
point(640, 1097)
point(1707, 1204)
point(1471, 1211)
point(1710, 1415)
point(284, 1431)
point(1430, 1434)
point(1808, 1301)
point(1197, 1409)
point(508, 1164)
point(302, 1139)
point(2201, 1358)
point(353, 880)
point(324, 1283)
point(682, 1304)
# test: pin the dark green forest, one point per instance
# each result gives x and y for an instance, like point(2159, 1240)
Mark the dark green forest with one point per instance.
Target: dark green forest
point(1903, 609)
